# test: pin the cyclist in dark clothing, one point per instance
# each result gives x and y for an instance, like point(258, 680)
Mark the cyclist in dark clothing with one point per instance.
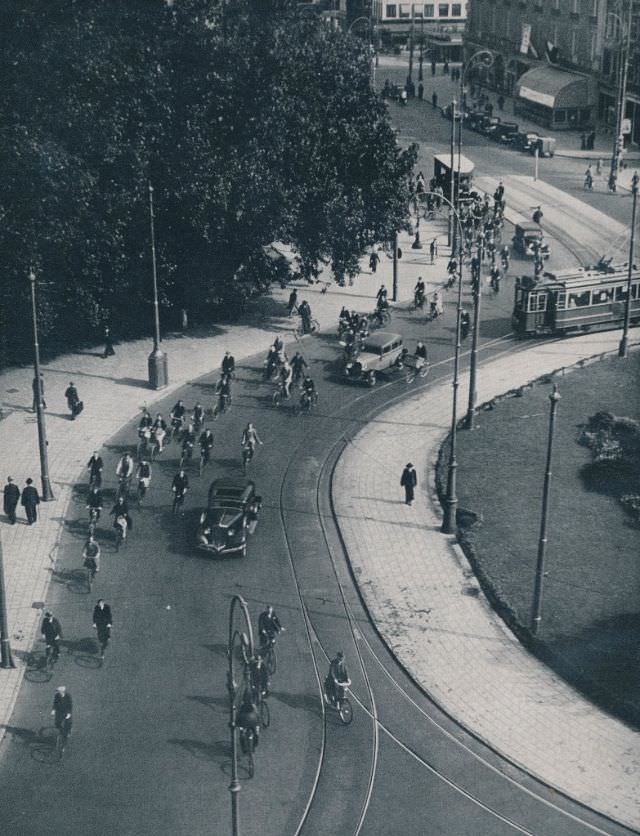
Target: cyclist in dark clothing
point(228, 363)
point(51, 633)
point(179, 486)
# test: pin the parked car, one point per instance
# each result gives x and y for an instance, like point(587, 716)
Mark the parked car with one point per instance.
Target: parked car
point(473, 119)
point(231, 515)
point(525, 140)
point(488, 125)
point(527, 236)
point(546, 146)
point(380, 351)
point(506, 132)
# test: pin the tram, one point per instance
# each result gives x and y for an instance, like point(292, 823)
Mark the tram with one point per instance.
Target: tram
point(462, 173)
point(582, 300)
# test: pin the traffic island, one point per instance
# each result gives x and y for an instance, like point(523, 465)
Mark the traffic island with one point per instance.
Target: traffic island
point(590, 626)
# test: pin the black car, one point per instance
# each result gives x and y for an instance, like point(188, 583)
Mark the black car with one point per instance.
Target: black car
point(525, 140)
point(488, 125)
point(231, 515)
point(506, 132)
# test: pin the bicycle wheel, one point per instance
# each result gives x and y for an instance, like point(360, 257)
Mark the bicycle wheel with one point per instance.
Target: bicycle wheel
point(315, 326)
point(410, 376)
point(385, 317)
point(119, 538)
point(251, 767)
point(345, 711)
point(424, 371)
point(270, 661)
point(265, 714)
point(277, 398)
point(201, 464)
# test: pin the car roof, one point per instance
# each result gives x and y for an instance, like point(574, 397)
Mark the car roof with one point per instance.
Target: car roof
point(231, 485)
point(529, 226)
point(381, 338)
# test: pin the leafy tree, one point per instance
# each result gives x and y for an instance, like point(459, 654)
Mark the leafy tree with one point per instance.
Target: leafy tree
point(255, 124)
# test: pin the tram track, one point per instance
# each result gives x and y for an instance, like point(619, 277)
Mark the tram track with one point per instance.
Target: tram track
point(373, 666)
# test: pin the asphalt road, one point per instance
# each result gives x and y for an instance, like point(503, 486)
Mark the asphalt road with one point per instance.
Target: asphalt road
point(150, 747)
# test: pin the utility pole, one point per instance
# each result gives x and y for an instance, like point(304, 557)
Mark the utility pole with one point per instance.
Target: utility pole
point(394, 290)
point(157, 364)
point(409, 78)
point(451, 231)
point(623, 72)
point(47, 493)
point(475, 336)
point(624, 342)
point(6, 659)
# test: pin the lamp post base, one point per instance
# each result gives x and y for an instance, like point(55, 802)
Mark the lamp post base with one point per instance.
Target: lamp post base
point(158, 369)
point(47, 493)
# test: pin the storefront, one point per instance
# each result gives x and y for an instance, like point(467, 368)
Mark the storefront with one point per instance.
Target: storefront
point(556, 99)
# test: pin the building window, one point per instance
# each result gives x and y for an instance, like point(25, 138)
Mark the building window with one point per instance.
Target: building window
point(443, 10)
point(405, 10)
point(456, 10)
point(392, 11)
point(429, 10)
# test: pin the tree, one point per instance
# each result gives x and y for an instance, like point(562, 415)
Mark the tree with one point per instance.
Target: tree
point(254, 124)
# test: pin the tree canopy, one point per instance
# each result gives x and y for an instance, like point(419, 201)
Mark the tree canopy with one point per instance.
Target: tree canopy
point(255, 123)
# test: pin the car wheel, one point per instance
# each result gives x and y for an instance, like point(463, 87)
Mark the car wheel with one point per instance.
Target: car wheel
point(371, 379)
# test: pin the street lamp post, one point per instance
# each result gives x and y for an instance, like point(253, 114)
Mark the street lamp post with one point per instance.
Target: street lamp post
point(6, 659)
point(47, 493)
point(623, 72)
point(624, 342)
point(477, 296)
point(536, 618)
point(158, 366)
point(394, 289)
point(452, 185)
point(410, 76)
point(421, 55)
point(232, 687)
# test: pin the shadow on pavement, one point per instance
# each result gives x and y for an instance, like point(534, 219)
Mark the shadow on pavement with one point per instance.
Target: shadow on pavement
point(132, 381)
point(219, 649)
point(299, 702)
point(210, 702)
point(218, 751)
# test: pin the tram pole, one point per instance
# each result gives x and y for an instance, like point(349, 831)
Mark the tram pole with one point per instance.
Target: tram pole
point(452, 186)
point(624, 342)
point(394, 289)
point(473, 367)
point(536, 617)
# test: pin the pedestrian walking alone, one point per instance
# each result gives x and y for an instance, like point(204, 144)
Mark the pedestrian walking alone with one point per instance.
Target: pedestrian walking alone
point(11, 497)
point(30, 501)
point(408, 481)
point(102, 622)
point(109, 350)
point(73, 400)
point(374, 259)
point(62, 709)
point(292, 304)
point(433, 249)
point(34, 386)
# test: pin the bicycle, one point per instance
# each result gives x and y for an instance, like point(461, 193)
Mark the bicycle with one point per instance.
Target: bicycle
point(95, 479)
point(94, 513)
point(205, 457)
point(92, 568)
point(248, 747)
point(313, 327)
point(148, 445)
point(124, 485)
point(62, 736)
point(267, 652)
point(417, 304)
point(142, 488)
point(223, 405)
point(187, 454)
point(339, 701)
point(415, 369)
point(306, 402)
point(379, 318)
point(178, 501)
point(51, 654)
point(279, 395)
point(121, 526)
point(248, 451)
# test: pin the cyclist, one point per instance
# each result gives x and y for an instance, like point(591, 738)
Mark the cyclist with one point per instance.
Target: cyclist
point(179, 486)
point(247, 720)
point(588, 179)
point(304, 309)
point(121, 517)
point(143, 475)
point(421, 351)
point(73, 399)
point(160, 431)
point(308, 391)
point(298, 364)
point(286, 378)
point(62, 709)
point(177, 416)
point(125, 467)
point(465, 324)
point(51, 633)
point(495, 279)
point(223, 391)
point(272, 362)
point(206, 442)
point(250, 436)
point(419, 293)
point(198, 415)
point(259, 676)
point(94, 502)
point(278, 347)
point(228, 363)
point(94, 466)
point(337, 679)
point(344, 320)
point(269, 625)
point(381, 297)
point(146, 421)
point(91, 555)
point(436, 305)
point(504, 257)
point(188, 441)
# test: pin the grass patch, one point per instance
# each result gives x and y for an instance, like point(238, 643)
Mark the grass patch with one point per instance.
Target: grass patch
point(590, 631)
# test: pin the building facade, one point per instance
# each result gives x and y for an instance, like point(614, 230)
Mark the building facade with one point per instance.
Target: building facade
point(576, 47)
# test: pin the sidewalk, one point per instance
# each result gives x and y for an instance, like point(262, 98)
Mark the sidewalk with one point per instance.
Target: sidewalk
point(114, 391)
point(424, 598)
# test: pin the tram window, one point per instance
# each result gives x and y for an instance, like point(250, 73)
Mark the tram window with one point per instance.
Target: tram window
point(537, 302)
point(579, 300)
point(561, 300)
point(621, 293)
point(635, 291)
point(602, 296)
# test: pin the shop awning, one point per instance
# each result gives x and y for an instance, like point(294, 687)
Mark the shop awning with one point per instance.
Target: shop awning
point(553, 88)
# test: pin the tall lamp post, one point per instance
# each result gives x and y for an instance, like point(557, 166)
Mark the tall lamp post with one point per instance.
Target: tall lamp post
point(623, 72)
point(421, 54)
point(47, 493)
point(473, 366)
point(410, 76)
point(624, 342)
point(158, 365)
point(536, 615)
point(246, 645)
point(6, 659)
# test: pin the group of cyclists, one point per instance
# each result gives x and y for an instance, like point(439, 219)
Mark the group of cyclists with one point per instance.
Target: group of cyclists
point(288, 372)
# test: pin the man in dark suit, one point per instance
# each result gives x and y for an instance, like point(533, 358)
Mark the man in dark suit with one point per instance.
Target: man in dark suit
point(62, 708)
point(30, 500)
point(408, 480)
point(11, 497)
point(102, 623)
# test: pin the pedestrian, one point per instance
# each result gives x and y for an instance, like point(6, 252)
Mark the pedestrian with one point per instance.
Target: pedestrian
point(292, 304)
point(420, 90)
point(374, 260)
point(109, 350)
point(433, 68)
point(30, 501)
point(434, 99)
point(102, 623)
point(445, 67)
point(62, 708)
point(501, 102)
point(73, 400)
point(591, 140)
point(408, 481)
point(403, 97)
point(11, 497)
point(433, 249)
point(95, 466)
point(34, 386)
point(612, 182)
point(583, 142)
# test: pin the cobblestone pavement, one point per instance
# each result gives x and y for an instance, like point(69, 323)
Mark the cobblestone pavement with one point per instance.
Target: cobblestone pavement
point(424, 598)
